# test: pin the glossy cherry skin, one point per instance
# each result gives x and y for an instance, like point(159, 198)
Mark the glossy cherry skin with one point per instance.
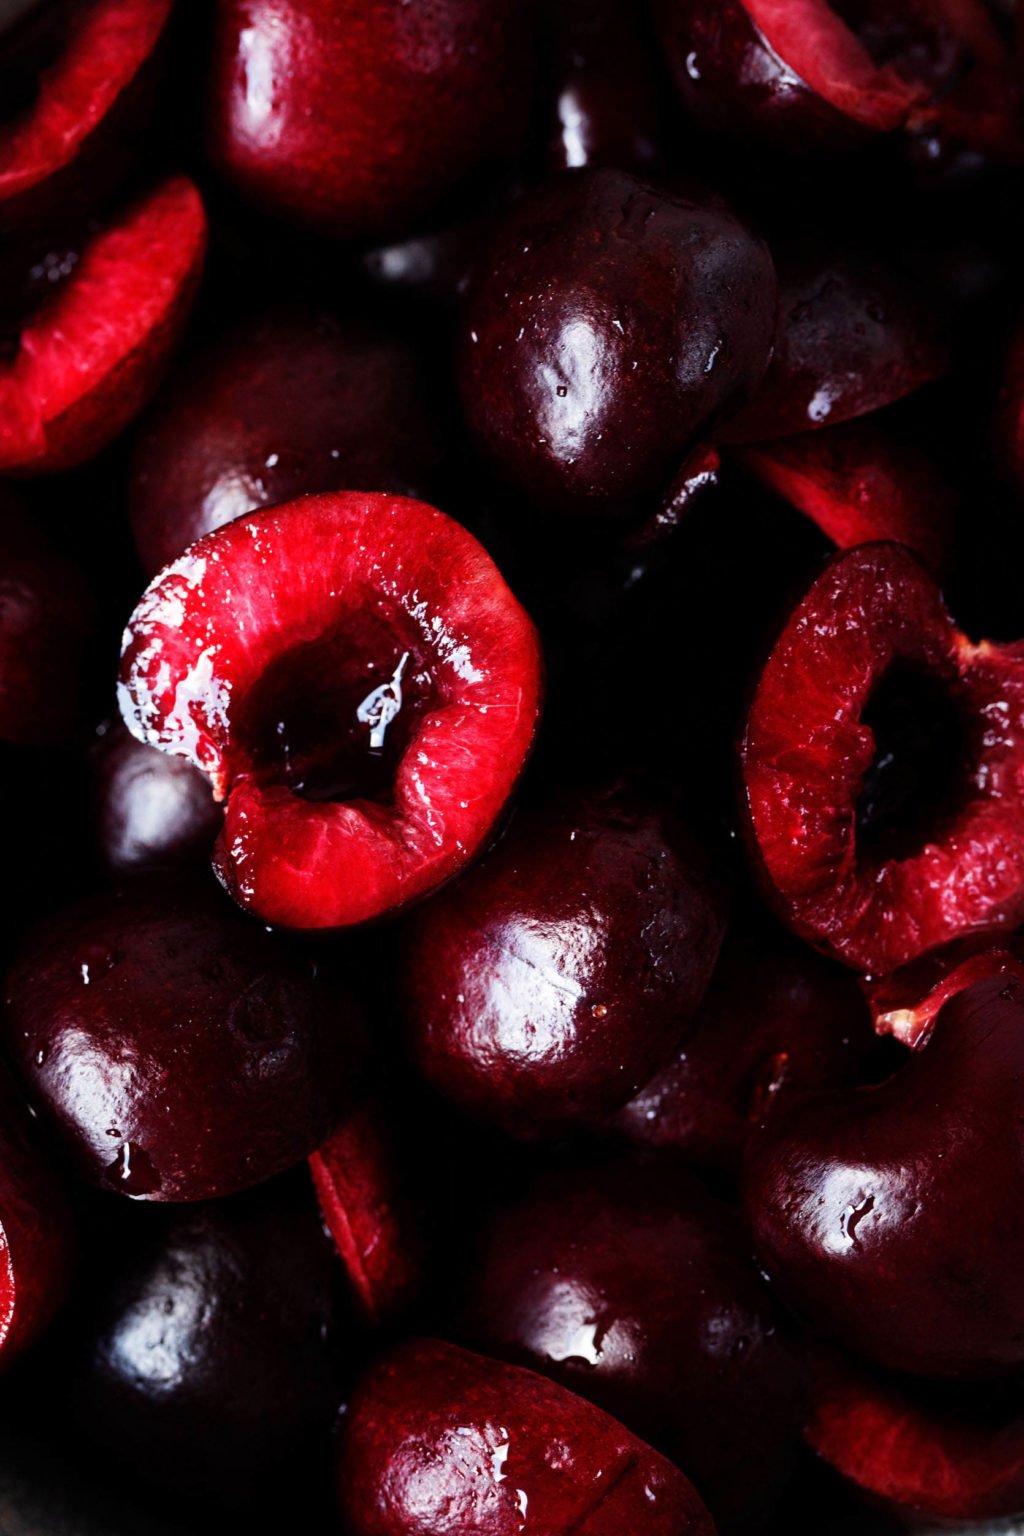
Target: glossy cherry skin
point(150, 811)
point(210, 1351)
point(356, 118)
point(37, 1242)
point(288, 402)
point(46, 623)
point(544, 988)
point(609, 325)
point(776, 1021)
point(176, 1051)
point(438, 1440)
point(630, 1285)
point(890, 1216)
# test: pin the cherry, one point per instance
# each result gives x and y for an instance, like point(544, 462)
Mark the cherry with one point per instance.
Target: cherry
point(150, 811)
point(85, 362)
point(288, 402)
point(810, 76)
point(368, 720)
point(210, 1351)
point(881, 760)
point(546, 986)
point(859, 482)
point(78, 85)
point(628, 1284)
point(906, 1002)
point(609, 326)
point(439, 1440)
point(913, 1456)
point(889, 1216)
point(177, 1052)
point(777, 1020)
point(853, 336)
point(356, 118)
point(46, 621)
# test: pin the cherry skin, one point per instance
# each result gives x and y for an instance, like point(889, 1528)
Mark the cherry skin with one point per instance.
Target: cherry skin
point(630, 1285)
point(150, 811)
point(176, 1051)
point(288, 402)
point(356, 118)
point(546, 986)
point(890, 1216)
point(608, 326)
point(438, 1440)
point(209, 1352)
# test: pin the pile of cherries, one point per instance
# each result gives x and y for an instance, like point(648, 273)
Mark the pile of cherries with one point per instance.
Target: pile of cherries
point(513, 985)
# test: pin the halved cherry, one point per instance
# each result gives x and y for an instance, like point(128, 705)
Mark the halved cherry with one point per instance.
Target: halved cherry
point(89, 357)
point(917, 1456)
point(860, 483)
point(906, 1003)
point(81, 74)
point(813, 76)
point(883, 759)
point(358, 683)
point(852, 337)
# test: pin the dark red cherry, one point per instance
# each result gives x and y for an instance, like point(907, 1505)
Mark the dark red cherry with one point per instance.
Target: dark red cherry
point(288, 402)
point(77, 83)
point(609, 326)
point(46, 622)
point(853, 336)
point(177, 1051)
point(79, 368)
point(924, 1462)
point(358, 118)
point(881, 762)
point(630, 1285)
point(365, 723)
point(776, 1021)
point(438, 1440)
point(890, 1216)
point(546, 986)
point(150, 811)
point(906, 1002)
point(36, 1232)
point(813, 76)
point(212, 1349)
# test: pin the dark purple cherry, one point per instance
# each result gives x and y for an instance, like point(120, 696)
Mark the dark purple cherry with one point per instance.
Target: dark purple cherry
point(547, 985)
point(777, 1019)
point(629, 1284)
point(891, 1216)
point(151, 811)
point(212, 1349)
point(176, 1049)
point(288, 403)
point(608, 327)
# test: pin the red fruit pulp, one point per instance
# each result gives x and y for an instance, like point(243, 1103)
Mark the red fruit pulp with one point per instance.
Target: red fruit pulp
point(90, 356)
point(354, 677)
point(882, 763)
point(906, 1003)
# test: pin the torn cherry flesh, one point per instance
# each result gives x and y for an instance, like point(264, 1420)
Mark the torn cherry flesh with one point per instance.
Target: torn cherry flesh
point(629, 1284)
point(288, 402)
point(911, 1456)
point(906, 1002)
point(889, 1217)
point(859, 483)
point(77, 86)
point(438, 1440)
point(175, 1050)
point(546, 986)
point(852, 337)
point(882, 768)
point(356, 117)
point(46, 621)
point(150, 811)
point(609, 326)
point(360, 686)
point(89, 357)
point(777, 1020)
